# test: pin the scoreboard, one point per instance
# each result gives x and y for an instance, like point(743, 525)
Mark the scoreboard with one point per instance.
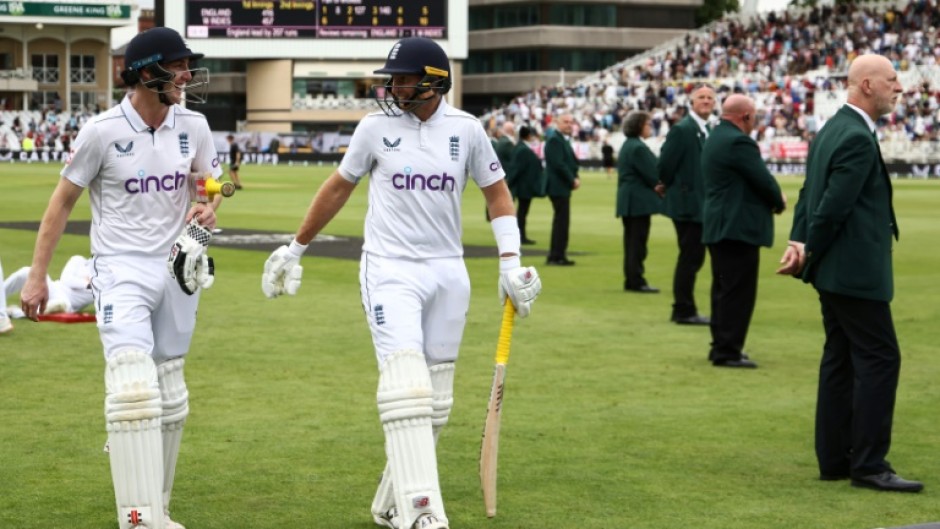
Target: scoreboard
point(315, 19)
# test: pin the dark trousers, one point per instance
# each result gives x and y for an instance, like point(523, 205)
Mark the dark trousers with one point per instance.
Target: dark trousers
point(636, 234)
point(691, 259)
point(561, 206)
point(521, 213)
point(735, 266)
point(858, 379)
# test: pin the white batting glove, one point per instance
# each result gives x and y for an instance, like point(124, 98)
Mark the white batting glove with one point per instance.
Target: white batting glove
point(205, 272)
point(188, 262)
point(521, 284)
point(282, 271)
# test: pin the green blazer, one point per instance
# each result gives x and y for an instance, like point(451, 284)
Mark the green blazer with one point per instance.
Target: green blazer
point(844, 214)
point(524, 176)
point(636, 178)
point(503, 147)
point(741, 195)
point(561, 166)
point(680, 169)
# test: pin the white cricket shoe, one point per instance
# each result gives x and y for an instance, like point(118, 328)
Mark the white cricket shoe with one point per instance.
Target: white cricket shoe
point(429, 521)
point(388, 518)
point(170, 524)
point(5, 324)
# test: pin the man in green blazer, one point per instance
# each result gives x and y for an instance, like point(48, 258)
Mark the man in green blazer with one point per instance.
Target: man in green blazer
point(561, 173)
point(741, 197)
point(841, 242)
point(503, 139)
point(680, 172)
point(524, 176)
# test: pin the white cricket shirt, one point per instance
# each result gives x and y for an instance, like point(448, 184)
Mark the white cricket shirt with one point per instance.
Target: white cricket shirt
point(419, 171)
point(138, 179)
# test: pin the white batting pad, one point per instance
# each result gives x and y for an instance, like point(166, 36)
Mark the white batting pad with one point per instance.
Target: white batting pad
point(442, 383)
point(405, 409)
point(442, 401)
point(132, 412)
point(383, 504)
point(175, 401)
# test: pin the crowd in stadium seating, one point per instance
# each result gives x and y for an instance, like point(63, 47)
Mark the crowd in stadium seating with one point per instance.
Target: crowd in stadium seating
point(39, 130)
point(790, 63)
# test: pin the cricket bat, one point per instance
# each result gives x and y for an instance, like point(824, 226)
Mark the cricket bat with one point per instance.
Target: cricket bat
point(490, 445)
point(206, 188)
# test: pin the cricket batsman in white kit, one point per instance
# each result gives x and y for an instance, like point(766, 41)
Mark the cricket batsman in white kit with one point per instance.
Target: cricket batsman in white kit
point(421, 153)
point(148, 245)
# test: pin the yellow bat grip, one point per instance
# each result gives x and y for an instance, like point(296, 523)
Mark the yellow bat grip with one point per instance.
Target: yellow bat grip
point(505, 333)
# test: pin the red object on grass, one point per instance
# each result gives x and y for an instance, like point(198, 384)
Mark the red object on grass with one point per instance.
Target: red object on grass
point(68, 317)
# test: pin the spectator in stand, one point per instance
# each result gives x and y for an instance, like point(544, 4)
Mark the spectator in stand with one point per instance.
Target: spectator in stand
point(28, 144)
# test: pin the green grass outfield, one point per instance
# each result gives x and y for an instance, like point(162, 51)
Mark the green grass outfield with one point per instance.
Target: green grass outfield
point(612, 418)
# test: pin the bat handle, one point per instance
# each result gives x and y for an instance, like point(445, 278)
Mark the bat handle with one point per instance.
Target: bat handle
point(505, 333)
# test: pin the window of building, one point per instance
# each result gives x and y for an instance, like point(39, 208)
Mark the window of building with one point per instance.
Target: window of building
point(594, 15)
point(45, 68)
point(222, 65)
point(502, 61)
point(44, 100)
point(355, 88)
point(84, 101)
point(657, 17)
point(82, 69)
point(504, 16)
point(581, 60)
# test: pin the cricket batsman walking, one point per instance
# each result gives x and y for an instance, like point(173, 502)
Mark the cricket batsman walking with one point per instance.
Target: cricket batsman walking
point(148, 242)
point(420, 153)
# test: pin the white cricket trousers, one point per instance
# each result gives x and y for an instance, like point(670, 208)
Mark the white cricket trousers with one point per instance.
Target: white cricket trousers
point(415, 304)
point(140, 307)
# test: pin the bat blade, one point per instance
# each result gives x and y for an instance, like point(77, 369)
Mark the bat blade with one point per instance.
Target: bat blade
point(489, 448)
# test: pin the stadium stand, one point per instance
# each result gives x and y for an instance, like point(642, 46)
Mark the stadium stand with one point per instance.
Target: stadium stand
point(793, 63)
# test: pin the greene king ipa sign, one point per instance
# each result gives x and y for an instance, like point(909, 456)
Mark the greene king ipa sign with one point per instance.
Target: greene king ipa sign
point(45, 9)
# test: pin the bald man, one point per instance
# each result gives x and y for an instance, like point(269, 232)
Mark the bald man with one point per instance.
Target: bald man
point(741, 197)
point(680, 173)
point(841, 242)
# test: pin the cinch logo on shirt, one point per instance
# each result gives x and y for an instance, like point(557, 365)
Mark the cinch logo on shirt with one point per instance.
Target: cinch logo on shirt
point(153, 183)
point(419, 182)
